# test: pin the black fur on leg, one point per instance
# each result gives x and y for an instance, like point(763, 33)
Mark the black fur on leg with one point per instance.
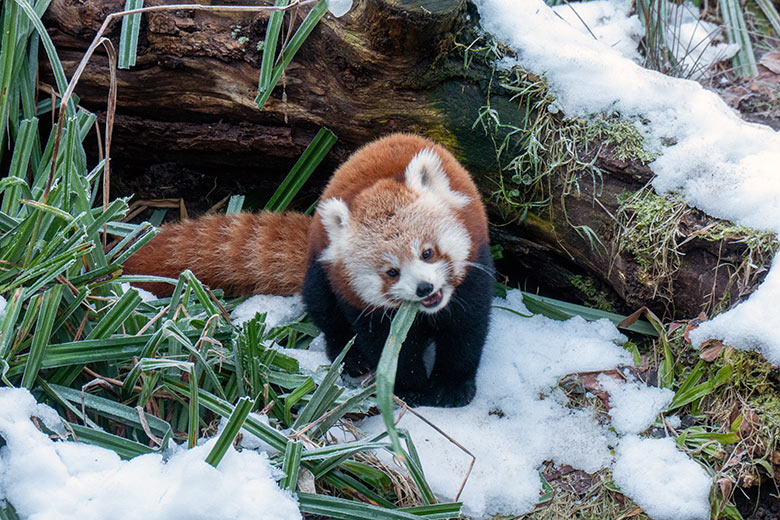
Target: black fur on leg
point(459, 331)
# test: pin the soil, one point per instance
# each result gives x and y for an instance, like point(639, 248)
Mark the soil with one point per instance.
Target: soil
point(759, 503)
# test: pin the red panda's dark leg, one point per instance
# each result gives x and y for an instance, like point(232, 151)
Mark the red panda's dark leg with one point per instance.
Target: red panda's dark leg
point(323, 308)
point(459, 332)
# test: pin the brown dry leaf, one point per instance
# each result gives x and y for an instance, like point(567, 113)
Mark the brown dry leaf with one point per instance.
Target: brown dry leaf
point(591, 383)
point(725, 486)
point(711, 349)
point(735, 459)
point(631, 513)
point(771, 60)
point(775, 458)
point(750, 422)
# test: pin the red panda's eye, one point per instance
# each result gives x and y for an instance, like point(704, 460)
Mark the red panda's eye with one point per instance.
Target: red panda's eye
point(392, 273)
point(427, 254)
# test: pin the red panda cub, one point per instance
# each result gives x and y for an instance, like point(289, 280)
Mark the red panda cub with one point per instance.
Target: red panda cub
point(402, 220)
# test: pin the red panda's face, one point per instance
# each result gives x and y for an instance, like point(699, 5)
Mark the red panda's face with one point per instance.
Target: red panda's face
point(401, 241)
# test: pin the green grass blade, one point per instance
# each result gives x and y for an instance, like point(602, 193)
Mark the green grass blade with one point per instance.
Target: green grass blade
point(193, 413)
point(300, 173)
point(8, 324)
point(319, 402)
point(736, 31)
point(770, 11)
point(228, 435)
point(435, 511)
point(291, 465)
point(388, 363)
point(51, 51)
point(224, 409)
point(343, 509)
point(560, 310)
point(116, 316)
point(125, 448)
point(114, 411)
point(128, 39)
point(7, 58)
point(306, 27)
point(272, 31)
point(43, 329)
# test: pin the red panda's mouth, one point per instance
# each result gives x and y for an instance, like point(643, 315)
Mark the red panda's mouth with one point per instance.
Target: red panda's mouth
point(433, 300)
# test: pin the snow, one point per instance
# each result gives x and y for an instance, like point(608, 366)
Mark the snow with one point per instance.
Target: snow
point(692, 41)
point(671, 487)
point(46, 479)
point(634, 406)
point(710, 157)
point(339, 8)
point(145, 295)
point(519, 418)
point(609, 21)
point(279, 310)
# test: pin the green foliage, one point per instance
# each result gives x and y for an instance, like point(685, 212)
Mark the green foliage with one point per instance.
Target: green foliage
point(130, 375)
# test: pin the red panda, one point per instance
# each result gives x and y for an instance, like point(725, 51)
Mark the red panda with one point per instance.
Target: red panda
point(244, 254)
point(400, 220)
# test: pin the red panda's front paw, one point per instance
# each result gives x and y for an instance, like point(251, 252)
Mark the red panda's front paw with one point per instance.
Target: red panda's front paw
point(356, 365)
point(442, 395)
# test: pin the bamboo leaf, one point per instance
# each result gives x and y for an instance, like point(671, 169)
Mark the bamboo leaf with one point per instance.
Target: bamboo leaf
point(51, 301)
point(228, 435)
point(306, 27)
point(388, 363)
point(291, 465)
point(128, 39)
point(300, 173)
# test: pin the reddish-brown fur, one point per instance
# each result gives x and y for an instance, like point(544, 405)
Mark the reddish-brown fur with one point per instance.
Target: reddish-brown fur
point(265, 253)
point(384, 161)
point(247, 253)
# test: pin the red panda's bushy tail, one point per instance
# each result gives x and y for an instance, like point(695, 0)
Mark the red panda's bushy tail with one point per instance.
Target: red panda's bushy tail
point(244, 254)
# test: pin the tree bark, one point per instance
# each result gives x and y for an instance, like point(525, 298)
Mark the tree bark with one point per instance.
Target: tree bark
point(186, 116)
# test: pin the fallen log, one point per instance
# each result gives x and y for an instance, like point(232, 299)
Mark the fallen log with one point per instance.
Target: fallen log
point(187, 125)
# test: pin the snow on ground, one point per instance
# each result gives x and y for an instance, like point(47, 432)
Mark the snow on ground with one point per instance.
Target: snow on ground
point(279, 309)
point(634, 406)
point(715, 162)
point(664, 471)
point(519, 419)
point(60, 480)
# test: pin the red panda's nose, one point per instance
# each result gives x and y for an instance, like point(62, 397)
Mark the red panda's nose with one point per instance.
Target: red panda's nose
point(424, 289)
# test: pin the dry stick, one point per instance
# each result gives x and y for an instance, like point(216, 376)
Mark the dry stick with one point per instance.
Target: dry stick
point(98, 41)
point(446, 436)
point(112, 65)
point(153, 320)
point(145, 425)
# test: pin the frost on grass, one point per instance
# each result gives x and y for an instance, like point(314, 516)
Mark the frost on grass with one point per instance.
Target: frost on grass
point(279, 310)
point(709, 156)
point(634, 406)
point(519, 418)
point(671, 486)
point(53, 480)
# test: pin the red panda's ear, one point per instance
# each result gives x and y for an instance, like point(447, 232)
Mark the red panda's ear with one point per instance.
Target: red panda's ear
point(335, 218)
point(425, 174)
